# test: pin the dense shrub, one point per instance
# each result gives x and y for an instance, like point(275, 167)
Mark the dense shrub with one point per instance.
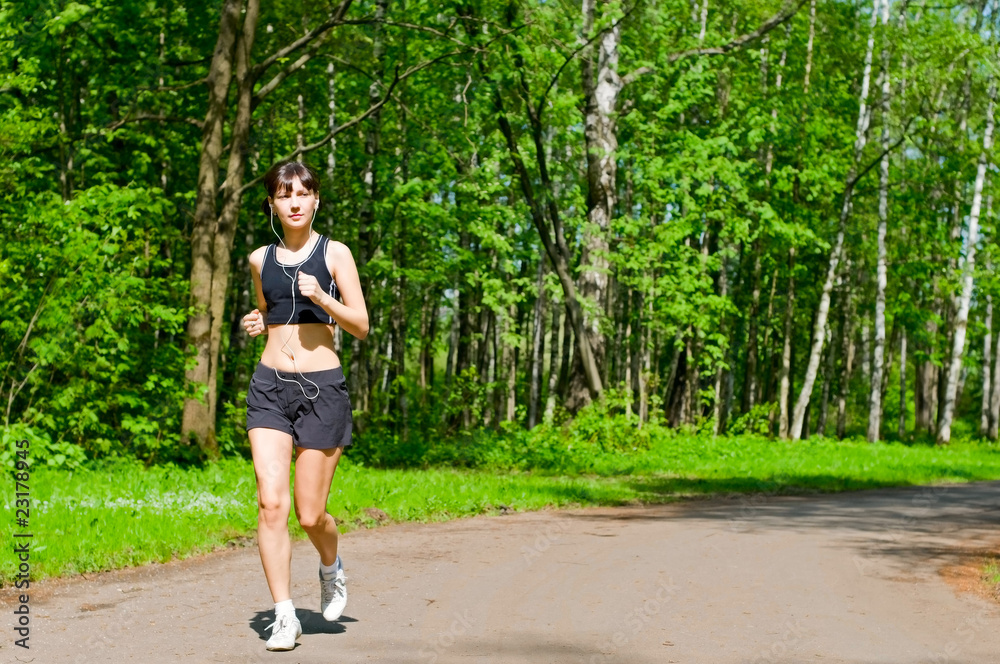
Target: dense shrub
point(87, 340)
point(603, 429)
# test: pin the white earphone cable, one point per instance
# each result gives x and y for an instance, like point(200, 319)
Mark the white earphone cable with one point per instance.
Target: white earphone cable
point(293, 277)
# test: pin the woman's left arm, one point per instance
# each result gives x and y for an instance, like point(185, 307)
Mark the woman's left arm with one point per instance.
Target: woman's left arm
point(352, 314)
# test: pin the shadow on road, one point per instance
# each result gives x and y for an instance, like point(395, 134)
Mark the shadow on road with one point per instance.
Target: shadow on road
point(522, 647)
point(313, 622)
point(908, 524)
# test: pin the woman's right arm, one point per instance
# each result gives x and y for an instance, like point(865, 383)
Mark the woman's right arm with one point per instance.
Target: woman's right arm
point(255, 321)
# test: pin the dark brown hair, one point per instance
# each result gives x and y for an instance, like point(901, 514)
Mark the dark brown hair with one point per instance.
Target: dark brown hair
point(280, 177)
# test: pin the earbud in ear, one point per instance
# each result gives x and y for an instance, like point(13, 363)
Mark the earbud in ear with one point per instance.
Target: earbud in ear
point(317, 203)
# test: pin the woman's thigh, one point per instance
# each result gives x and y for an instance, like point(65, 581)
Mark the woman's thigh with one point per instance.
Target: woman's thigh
point(314, 471)
point(272, 460)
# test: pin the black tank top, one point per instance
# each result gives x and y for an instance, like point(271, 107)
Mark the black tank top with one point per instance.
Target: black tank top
point(278, 279)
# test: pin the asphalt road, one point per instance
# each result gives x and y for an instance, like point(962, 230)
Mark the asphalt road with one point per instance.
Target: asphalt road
point(866, 577)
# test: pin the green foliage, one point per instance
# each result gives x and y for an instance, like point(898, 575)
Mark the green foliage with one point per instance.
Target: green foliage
point(609, 425)
point(718, 166)
point(40, 449)
point(603, 428)
point(755, 421)
point(86, 345)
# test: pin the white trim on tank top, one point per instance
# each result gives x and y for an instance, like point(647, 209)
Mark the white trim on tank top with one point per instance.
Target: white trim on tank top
point(319, 237)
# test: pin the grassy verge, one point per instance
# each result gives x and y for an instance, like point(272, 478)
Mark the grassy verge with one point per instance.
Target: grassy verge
point(117, 515)
point(991, 575)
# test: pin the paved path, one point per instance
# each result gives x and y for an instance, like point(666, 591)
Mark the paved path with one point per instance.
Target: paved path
point(846, 578)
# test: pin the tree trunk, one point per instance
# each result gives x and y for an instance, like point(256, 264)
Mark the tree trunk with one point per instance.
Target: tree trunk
point(995, 394)
point(361, 368)
point(428, 337)
point(890, 344)
point(847, 340)
point(720, 373)
point(785, 376)
point(331, 156)
point(636, 348)
point(373, 139)
point(198, 419)
point(645, 340)
point(680, 394)
point(225, 232)
point(902, 383)
point(399, 318)
point(750, 379)
point(819, 335)
point(510, 366)
point(866, 347)
point(984, 410)
point(568, 343)
point(785, 373)
point(962, 315)
point(537, 348)
point(669, 383)
point(692, 403)
point(601, 99)
point(750, 375)
point(805, 419)
point(622, 341)
point(766, 388)
point(949, 303)
point(486, 322)
point(554, 353)
point(929, 376)
point(450, 365)
point(875, 397)
point(549, 229)
point(831, 363)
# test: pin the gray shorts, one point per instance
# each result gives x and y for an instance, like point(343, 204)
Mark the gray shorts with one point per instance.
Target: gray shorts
point(276, 401)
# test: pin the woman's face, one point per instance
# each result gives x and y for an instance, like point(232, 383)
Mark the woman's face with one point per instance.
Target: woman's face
point(295, 206)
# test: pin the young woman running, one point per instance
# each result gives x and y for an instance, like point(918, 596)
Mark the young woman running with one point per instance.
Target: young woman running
point(297, 399)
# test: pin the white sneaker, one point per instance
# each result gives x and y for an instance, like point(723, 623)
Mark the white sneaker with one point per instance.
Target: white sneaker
point(333, 593)
point(286, 628)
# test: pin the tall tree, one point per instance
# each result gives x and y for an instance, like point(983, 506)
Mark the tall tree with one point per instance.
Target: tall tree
point(601, 87)
point(962, 315)
point(878, 355)
point(199, 413)
point(819, 333)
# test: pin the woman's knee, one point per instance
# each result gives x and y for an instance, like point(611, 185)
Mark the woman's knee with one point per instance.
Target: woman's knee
point(273, 509)
point(310, 519)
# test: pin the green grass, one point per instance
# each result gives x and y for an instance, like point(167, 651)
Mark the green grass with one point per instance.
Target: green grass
point(991, 572)
point(121, 514)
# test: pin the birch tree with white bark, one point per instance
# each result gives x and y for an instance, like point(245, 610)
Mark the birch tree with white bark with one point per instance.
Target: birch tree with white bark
point(878, 356)
point(836, 253)
point(961, 320)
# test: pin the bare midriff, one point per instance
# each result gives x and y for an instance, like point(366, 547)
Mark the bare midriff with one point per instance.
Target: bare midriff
point(311, 344)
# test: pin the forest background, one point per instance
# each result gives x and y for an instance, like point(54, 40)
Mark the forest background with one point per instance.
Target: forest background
point(599, 222)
